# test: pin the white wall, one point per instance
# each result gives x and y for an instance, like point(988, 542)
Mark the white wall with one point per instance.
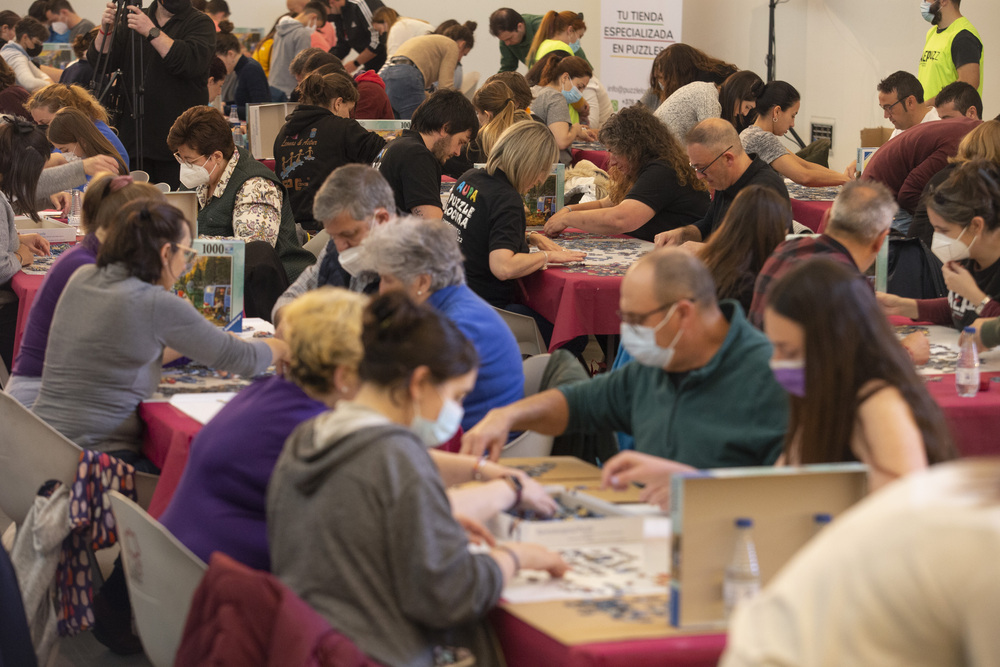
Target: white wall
point(833, 51)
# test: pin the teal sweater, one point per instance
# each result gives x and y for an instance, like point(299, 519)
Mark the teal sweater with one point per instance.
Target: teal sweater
point(731, 412)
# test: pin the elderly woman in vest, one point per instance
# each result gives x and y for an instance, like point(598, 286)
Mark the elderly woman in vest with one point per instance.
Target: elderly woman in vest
point(240, 198)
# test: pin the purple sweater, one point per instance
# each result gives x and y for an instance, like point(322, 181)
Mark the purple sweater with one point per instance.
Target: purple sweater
point(220, 502)
point(31, 357)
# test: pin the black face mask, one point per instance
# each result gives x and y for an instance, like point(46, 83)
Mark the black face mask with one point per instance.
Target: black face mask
point(34, 51)
point(174, 6)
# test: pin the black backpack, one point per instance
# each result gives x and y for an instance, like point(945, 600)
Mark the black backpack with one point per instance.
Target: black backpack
point(914, 271)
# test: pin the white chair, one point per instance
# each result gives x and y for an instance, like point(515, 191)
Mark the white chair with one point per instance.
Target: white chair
point(32, 452)
point(525, 330)
point(162, 187)
point(161, 574)
point(139, 176)
point(316, 244)
point(4, 375)
point(530, 443)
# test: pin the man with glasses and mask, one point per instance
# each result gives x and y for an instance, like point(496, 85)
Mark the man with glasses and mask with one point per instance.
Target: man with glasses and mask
point(353, 199)
point(29, 35)
point(901, 98)
point(694, 359)
point(178, 43)
point(718, 158)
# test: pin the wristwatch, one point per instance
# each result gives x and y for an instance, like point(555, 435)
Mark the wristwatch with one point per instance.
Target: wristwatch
point(982, 305)
point(515, 483)
point(154, 32)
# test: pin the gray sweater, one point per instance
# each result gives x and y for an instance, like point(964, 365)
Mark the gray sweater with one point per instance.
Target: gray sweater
point(105, 352)
point(360, 528)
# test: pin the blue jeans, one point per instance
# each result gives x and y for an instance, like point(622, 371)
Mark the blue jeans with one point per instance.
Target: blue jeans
point(404, 86)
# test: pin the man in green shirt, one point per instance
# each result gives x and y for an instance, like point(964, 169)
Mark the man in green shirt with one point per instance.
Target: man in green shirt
point(515, 33)
point(953, 50)
point(700, 390)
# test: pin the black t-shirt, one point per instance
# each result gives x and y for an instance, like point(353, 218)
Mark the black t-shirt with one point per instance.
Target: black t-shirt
point(965, 49)
point(758, 173)
point(963, 311)
point(674, 205)
point(489, 215)
point(413, 173)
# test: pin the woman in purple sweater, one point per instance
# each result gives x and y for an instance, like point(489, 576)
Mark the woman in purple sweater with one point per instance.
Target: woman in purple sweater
point(105, 196)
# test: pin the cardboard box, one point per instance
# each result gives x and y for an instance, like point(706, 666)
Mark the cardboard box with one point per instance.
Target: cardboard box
point(613, 527)
point(187, 202)
point(264, 121)
point(782, 501)
point(214, 284)
point(50, 229)
point(876, 136)
point(865, 154)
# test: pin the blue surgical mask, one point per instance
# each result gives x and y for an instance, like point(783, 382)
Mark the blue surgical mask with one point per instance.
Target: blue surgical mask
point(791, 375)
point(640, 342)
point(927, 11)
point(575, 46)
point(572, 95)
point(442, 429)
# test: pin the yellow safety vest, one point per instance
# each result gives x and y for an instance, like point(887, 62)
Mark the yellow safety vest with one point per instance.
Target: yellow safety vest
point(937, 69)
point(544, 49)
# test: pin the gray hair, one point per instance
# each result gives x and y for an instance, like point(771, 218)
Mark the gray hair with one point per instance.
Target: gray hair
point(679, 275)
point(862, 211)
point(355, 189)
point(716, 134)
point(409, 246)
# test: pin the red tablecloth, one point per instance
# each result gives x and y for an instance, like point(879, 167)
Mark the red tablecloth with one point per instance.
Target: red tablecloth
point(974, 422)
point(810, 213)
point(25, 287)
point(599, 158)
point(577, 304)
point(267, 162)
point(526, 645)
point(168, 440)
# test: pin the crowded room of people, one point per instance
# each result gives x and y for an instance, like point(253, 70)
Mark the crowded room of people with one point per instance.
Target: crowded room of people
point(354, 333)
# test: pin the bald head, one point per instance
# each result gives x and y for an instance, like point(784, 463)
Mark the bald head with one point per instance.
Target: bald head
point(676, 275)
point(716, 135)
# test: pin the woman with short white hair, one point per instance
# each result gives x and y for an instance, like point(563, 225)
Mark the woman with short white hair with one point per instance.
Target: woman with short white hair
point(423, 258)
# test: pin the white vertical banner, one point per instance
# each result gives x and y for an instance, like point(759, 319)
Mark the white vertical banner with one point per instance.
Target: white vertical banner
point(633, 32)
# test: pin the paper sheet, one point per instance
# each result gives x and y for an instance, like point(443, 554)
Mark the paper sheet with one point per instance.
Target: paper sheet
point(201, 407)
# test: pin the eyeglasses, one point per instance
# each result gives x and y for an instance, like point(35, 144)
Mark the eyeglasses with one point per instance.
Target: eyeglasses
point(639, 318)
point(190, 254)
point(180, 160)
point(702, 170)
point(888, 107)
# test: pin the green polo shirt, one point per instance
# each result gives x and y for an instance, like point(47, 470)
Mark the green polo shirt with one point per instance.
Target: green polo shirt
point(731, 412)
point(510, 56)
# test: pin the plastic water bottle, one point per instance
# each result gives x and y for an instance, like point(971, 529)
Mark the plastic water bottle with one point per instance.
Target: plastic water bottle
point(742, 580)
point(236, 126)
point(75, 209)
point(967, 371)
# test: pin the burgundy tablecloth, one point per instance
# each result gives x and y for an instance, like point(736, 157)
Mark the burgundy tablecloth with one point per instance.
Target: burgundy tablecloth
point(25, 287)
point(577, 304)
point(974, 422)
point(267, 162)
point(525, 645)
point(168, 440)
point(599, 158)
point(810, 213)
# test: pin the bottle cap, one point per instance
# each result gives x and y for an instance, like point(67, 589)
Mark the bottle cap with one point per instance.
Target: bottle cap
point(822, 518)
point(744, 523)
point(969, 330)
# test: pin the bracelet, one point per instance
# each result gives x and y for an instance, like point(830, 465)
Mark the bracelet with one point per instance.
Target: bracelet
point(477, 470)
point(515, 484)
point(546, 264)
point(513, 555)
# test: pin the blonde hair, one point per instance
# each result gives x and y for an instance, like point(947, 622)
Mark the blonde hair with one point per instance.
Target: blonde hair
point(323, 331)
point(524, 152)
point(107, 193)
point(494, 129)
point(57, 96)
point(498, 99)
point(982, 143)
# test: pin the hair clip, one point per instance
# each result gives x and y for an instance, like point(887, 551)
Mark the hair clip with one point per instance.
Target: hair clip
point(119, 182)
point(23, 126)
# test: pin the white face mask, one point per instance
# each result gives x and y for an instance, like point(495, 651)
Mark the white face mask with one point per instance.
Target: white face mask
point(59, 27)
point(71, 157)
point(194, 176)
point(640, 342)
point(352, 259)
point(948, 249)
point(442, 429)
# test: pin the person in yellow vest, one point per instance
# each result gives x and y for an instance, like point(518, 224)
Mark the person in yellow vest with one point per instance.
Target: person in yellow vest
point(953, 50)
